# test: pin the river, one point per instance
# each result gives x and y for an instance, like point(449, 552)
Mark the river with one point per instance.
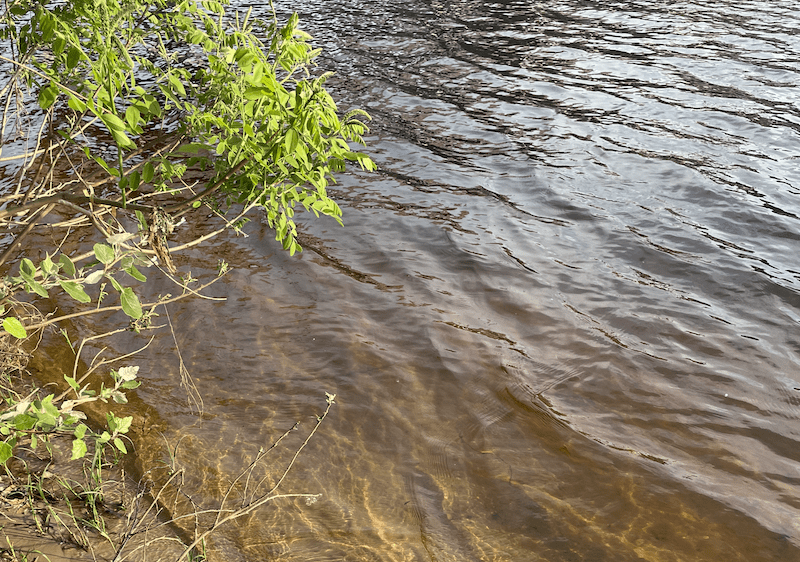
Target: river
point(562, 321)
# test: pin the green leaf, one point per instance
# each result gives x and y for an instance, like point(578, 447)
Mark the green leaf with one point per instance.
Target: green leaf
point(291, 140)
point(132, 115)
point(114, 283)
point(14, 327)
point(130, 303)
point(148, 172)
point(79, 449)
point(59, 44)
point(133, 180)
point(74, 290)
point(193, 148)
point(104, 254)
point(80, 431)
point(135, 273)
point(27, 269)
point(6, 452)
point(48, 267)
point(67, 265)
point(75, 104)
point(49, 407)
point(123, 424)
point(177, 84)
point(113, 122)
point(24, 422)
point(94, 277)
point(73, 57)
point(35, 287)
point(72, 383)
point(120, 445)
point(47, 96)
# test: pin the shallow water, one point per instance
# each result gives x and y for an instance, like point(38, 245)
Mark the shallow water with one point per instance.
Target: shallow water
point(562, 319)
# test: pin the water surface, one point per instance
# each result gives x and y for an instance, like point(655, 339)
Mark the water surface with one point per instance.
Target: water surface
point(562, 318)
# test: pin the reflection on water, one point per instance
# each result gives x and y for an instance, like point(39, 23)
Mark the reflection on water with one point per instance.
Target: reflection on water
point(562, 319)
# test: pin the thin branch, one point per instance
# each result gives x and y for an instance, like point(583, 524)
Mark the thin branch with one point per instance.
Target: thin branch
point(266, 498)
point(149, 305)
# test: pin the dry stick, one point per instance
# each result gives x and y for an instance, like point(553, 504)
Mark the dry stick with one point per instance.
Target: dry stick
point(18, 240)
point(132, 527)
point(29, 194)
point(263, 499)
point(186, 378)
point(251, 468)
point(53, 202)
point(94, 366)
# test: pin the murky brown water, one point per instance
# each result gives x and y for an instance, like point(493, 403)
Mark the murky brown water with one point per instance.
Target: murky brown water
point(562, 319)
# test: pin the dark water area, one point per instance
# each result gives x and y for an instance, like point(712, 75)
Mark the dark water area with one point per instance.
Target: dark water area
point(563, 319)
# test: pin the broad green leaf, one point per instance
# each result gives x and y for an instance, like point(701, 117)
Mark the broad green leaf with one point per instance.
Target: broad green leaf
point(73, 57)
point(24, 422)
point(291, 140)
point(130, 303)
point(46, 420)
point(72, 383)
point(133, 180)
point(80, 431)
point(75, 104)
point(48, 406)
point(79, 449)
point(59, 44)
point(177, 84)
point(114, 282)
point(67, 265)
point(113, 122)
point(147, 173)
point(123, 424)
point(35, 287)
point(74, 290)
point(47, 96)
point(120, 445)
point(104, 254)
point(14, 327)
point(48, 267)
point(132, 115)
point(27, 269)
point(6, 451)
point(135, 273)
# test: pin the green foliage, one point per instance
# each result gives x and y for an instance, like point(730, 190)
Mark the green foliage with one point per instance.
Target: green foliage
point(252, 112)
point(50, 276)
point(41, 419)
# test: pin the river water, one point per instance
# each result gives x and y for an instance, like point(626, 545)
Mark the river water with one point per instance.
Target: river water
point(562, 321)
